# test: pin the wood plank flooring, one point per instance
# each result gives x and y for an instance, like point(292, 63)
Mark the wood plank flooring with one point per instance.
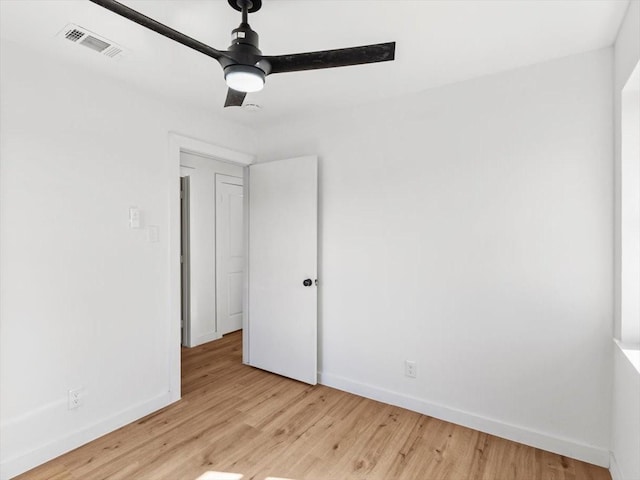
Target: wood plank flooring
point(236, 419)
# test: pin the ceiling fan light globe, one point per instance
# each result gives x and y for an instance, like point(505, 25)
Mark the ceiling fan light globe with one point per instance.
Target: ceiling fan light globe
point(244, 78)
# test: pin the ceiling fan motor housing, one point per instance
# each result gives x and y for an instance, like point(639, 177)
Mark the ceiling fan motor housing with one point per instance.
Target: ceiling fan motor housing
point(244, 47)
point(245, 72)
point(244, 35)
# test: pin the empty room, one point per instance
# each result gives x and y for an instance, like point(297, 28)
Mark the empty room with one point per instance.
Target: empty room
point(320, 239)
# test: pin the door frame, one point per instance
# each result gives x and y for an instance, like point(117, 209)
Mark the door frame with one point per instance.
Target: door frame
point(181, 143)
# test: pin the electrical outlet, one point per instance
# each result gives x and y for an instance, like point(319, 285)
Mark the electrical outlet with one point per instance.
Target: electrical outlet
point(75, 398)
point(410, 368)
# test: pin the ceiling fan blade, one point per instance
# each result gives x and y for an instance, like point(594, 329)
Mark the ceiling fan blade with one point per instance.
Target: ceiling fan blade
point(234, 98)
point(162, 29)
point(342, 57)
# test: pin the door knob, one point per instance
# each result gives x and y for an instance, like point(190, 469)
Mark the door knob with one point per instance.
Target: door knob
point(307, 282)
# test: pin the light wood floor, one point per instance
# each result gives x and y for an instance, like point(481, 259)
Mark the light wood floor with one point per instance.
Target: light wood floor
point(237, 419)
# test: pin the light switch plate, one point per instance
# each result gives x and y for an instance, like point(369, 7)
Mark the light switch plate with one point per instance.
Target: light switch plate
point(134, 217)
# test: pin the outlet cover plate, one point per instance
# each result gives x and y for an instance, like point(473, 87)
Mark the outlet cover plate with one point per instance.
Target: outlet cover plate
point(410, 368)
point(75, 398)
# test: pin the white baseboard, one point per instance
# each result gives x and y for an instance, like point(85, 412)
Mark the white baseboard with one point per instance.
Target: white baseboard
point(25, 461)
point(206, 338)
point(544, 441)
point(614, 468)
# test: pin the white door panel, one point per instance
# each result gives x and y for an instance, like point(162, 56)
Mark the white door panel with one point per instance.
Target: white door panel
point(229, 253)
point(282, 254)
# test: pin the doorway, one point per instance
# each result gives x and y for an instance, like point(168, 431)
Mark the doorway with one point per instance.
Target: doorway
point(181, 146)
point(211, 248)
point(178, 146)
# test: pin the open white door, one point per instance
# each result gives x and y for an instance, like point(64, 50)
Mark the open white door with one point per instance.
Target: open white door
point(283, 225)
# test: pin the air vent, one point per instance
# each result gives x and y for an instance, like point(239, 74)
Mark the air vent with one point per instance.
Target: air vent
point(74, 35)
point(82, 36)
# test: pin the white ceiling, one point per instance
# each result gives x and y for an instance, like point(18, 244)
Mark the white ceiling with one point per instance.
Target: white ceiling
point(438, 42)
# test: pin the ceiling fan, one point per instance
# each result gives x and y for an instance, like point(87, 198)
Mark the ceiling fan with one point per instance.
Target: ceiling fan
point(245, 67)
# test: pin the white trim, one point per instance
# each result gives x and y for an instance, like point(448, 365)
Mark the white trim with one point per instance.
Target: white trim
point(23, 462)
point(562, 446)
point(614, 468)
point(206, 338)
point(631, 352)
point(245, 284)
point(182, 143)
point(199, 147)
point(174, 307)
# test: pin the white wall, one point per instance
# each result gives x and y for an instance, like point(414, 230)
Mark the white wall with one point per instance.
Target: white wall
point(202, 176)
point(469, 229)
point(84, 298)
point(625, 431)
